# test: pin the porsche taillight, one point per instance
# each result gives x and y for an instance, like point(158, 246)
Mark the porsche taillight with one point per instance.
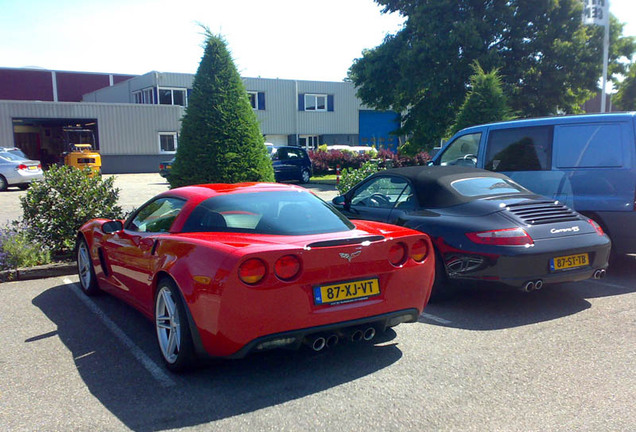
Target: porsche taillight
point(398, 254)
point(252, 271)
point(502, 237)
point(287, 267)
point(419, 251)
point(596, 226)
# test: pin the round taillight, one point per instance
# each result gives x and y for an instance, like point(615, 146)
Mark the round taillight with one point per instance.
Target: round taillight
point(397, 254)
point(287, 267)
point(252, 271)
point(419, 251)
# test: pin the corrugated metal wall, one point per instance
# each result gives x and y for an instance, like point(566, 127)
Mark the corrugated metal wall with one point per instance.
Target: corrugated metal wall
point(123, 129)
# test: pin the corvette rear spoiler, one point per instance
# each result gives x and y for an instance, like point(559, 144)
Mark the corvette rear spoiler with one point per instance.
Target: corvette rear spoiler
point(344, 242)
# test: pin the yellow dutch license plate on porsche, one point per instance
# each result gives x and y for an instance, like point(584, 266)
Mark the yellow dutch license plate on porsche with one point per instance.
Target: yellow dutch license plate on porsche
point(345, 292)
point(569, 261)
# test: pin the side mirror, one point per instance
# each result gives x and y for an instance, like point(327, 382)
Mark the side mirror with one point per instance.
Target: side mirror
point(339, 201)
point(112, 227)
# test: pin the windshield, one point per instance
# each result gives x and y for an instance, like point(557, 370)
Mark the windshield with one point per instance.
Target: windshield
point(480, 186)
point(278, 213)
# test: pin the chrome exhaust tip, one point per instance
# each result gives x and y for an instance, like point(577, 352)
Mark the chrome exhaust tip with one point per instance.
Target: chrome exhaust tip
point(529, 286)
point(317, 343)
point(369, 334)
point(538, 284)
point(599, 274)
point(357, 335)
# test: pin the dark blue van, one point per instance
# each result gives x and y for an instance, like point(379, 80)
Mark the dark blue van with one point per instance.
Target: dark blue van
point(585, 161)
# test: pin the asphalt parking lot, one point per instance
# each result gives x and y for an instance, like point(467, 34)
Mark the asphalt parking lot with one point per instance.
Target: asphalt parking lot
point(559, 359)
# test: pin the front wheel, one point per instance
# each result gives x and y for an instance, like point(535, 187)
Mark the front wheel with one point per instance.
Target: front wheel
point(173, 332)
point(85, 270)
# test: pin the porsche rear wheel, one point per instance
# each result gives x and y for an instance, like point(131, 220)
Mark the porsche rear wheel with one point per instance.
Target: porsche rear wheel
point(173, 332)
point(442, 288)
point(85, 270)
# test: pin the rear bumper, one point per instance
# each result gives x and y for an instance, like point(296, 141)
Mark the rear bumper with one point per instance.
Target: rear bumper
point(293, 339)
point(16, 177)
point(529, 265)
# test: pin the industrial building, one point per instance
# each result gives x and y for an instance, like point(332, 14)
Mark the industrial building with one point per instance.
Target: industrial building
point(136, 120)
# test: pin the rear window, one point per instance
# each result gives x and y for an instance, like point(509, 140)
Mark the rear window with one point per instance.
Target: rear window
point(481, 186)
point(278, 213)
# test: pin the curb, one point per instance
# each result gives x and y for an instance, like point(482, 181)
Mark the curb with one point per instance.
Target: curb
point(38, 272)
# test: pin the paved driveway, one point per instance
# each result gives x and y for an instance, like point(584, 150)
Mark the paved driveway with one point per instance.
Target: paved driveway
point(135, 189)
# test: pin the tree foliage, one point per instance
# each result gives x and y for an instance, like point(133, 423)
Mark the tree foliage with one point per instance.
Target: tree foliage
point(625, 98)
point(549, 62)
point(485, 101)
point(220, 140)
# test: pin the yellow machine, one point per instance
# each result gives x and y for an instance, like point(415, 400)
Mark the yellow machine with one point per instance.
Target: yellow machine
point(80, 153)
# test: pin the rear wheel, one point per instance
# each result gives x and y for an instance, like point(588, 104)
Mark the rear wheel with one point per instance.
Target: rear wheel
point(23, 186)
point(85, 270)
point(173, 332)
point(3, 184)
point(304, 175)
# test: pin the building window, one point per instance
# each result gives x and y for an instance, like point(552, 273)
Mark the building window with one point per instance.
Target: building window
point(315, 102)
point(309, 142)
point(167, 142)
point(257, 100)
point(169, 96)
point(146, 96)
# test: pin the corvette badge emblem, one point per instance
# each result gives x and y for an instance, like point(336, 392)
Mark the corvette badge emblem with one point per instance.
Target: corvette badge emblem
point(349, 257)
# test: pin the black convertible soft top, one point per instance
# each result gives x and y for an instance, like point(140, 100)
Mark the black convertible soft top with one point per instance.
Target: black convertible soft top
point(433, 183)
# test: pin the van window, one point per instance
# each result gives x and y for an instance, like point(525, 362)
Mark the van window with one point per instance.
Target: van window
point(588, 146)
point(462, 151)
point(521, 149)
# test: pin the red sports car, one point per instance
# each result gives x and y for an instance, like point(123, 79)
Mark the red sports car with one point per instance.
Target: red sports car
point(224, 270)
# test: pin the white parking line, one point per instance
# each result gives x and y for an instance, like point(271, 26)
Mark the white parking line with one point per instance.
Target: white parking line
point(601, 282)
point(434, 318)
point(155, 370)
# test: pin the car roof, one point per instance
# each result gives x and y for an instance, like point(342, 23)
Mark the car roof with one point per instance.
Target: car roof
point(433, 183)
point(209, 190)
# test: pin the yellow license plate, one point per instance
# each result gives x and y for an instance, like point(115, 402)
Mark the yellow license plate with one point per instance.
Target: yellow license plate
point(33, 167)
point(569, 261)
point(168, 166)
point(346, 291)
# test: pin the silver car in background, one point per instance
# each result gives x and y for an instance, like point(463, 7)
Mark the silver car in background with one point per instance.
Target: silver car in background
point(18, 171)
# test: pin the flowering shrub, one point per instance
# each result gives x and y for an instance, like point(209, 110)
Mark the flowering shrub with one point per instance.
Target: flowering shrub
point(325, 161)
point(17, 248)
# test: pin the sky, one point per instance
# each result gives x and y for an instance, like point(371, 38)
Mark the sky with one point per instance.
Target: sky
point(287, 39)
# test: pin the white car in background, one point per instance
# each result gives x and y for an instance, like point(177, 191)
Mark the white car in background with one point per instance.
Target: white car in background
point(18, 171)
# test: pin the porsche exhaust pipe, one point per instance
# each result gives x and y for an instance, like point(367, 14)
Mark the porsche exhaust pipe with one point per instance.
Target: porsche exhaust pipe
point(538, 284)
point(599, 274)
point(529, 286)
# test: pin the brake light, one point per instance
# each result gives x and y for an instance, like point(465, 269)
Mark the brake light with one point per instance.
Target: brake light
point(287, 267)
point(397, 254)
point(252, 271)
point(419, 251)
point(596, 226)
point(503, 237)
point(22, 167)
point(39, 166)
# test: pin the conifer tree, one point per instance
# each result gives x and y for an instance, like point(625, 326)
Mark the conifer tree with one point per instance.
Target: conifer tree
point(220, 140)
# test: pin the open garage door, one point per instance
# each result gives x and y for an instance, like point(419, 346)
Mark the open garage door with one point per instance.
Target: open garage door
point(45, 140)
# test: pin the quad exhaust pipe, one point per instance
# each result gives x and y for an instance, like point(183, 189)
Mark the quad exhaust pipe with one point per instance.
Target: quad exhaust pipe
point(600, 274)
point(318, 342)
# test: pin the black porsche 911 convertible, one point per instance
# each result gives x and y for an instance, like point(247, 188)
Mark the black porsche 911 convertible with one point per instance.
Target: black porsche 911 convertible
point(484, 226)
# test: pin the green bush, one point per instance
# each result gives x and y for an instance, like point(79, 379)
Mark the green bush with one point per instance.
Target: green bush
point(350, 177)
point(17, 249)
point(54, 209)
